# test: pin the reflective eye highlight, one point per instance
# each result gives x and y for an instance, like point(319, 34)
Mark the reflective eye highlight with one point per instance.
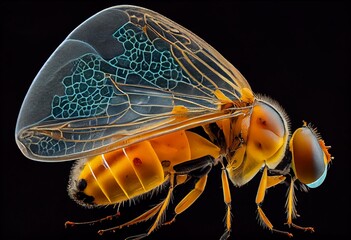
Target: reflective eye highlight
point(310, 156)
point(320, 180)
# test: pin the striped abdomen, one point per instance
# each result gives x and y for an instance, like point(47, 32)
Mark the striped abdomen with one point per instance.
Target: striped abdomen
point(126, 173)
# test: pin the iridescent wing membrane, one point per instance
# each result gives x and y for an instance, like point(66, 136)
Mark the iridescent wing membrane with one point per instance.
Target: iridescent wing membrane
point(124, 75)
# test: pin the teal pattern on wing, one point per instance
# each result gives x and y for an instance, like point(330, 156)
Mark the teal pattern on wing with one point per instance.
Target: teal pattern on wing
point(88, 91)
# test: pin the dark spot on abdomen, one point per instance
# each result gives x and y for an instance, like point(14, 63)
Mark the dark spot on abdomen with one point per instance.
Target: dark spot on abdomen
point(81, 196)
point(82, 184)
point(137, 161)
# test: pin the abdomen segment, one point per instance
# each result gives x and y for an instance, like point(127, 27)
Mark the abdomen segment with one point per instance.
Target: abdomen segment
point(126, 173)
point(118, 175)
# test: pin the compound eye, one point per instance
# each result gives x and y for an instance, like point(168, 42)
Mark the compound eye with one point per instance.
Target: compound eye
point(310, 156)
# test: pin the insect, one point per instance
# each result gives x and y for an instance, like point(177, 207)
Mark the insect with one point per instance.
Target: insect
point(121, 96)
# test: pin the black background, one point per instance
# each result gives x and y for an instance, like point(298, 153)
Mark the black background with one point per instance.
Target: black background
point(296, 52)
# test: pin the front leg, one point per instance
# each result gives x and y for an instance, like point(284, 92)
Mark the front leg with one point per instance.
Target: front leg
point(265, 183)
point(291, 208)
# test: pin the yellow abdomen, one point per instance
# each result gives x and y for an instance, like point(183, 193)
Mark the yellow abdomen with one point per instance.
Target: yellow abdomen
point(125, 173)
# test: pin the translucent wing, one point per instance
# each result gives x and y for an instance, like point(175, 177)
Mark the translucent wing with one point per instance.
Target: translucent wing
point(124, 75)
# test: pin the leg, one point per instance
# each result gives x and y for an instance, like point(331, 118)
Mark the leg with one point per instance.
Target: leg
point(201, 168)
point(227, 200)
point(266, 182)
point(197, 168)
point(159, 209)
point(110, 217)
point(291, 210)
point(192, 196)
point(194, 167)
